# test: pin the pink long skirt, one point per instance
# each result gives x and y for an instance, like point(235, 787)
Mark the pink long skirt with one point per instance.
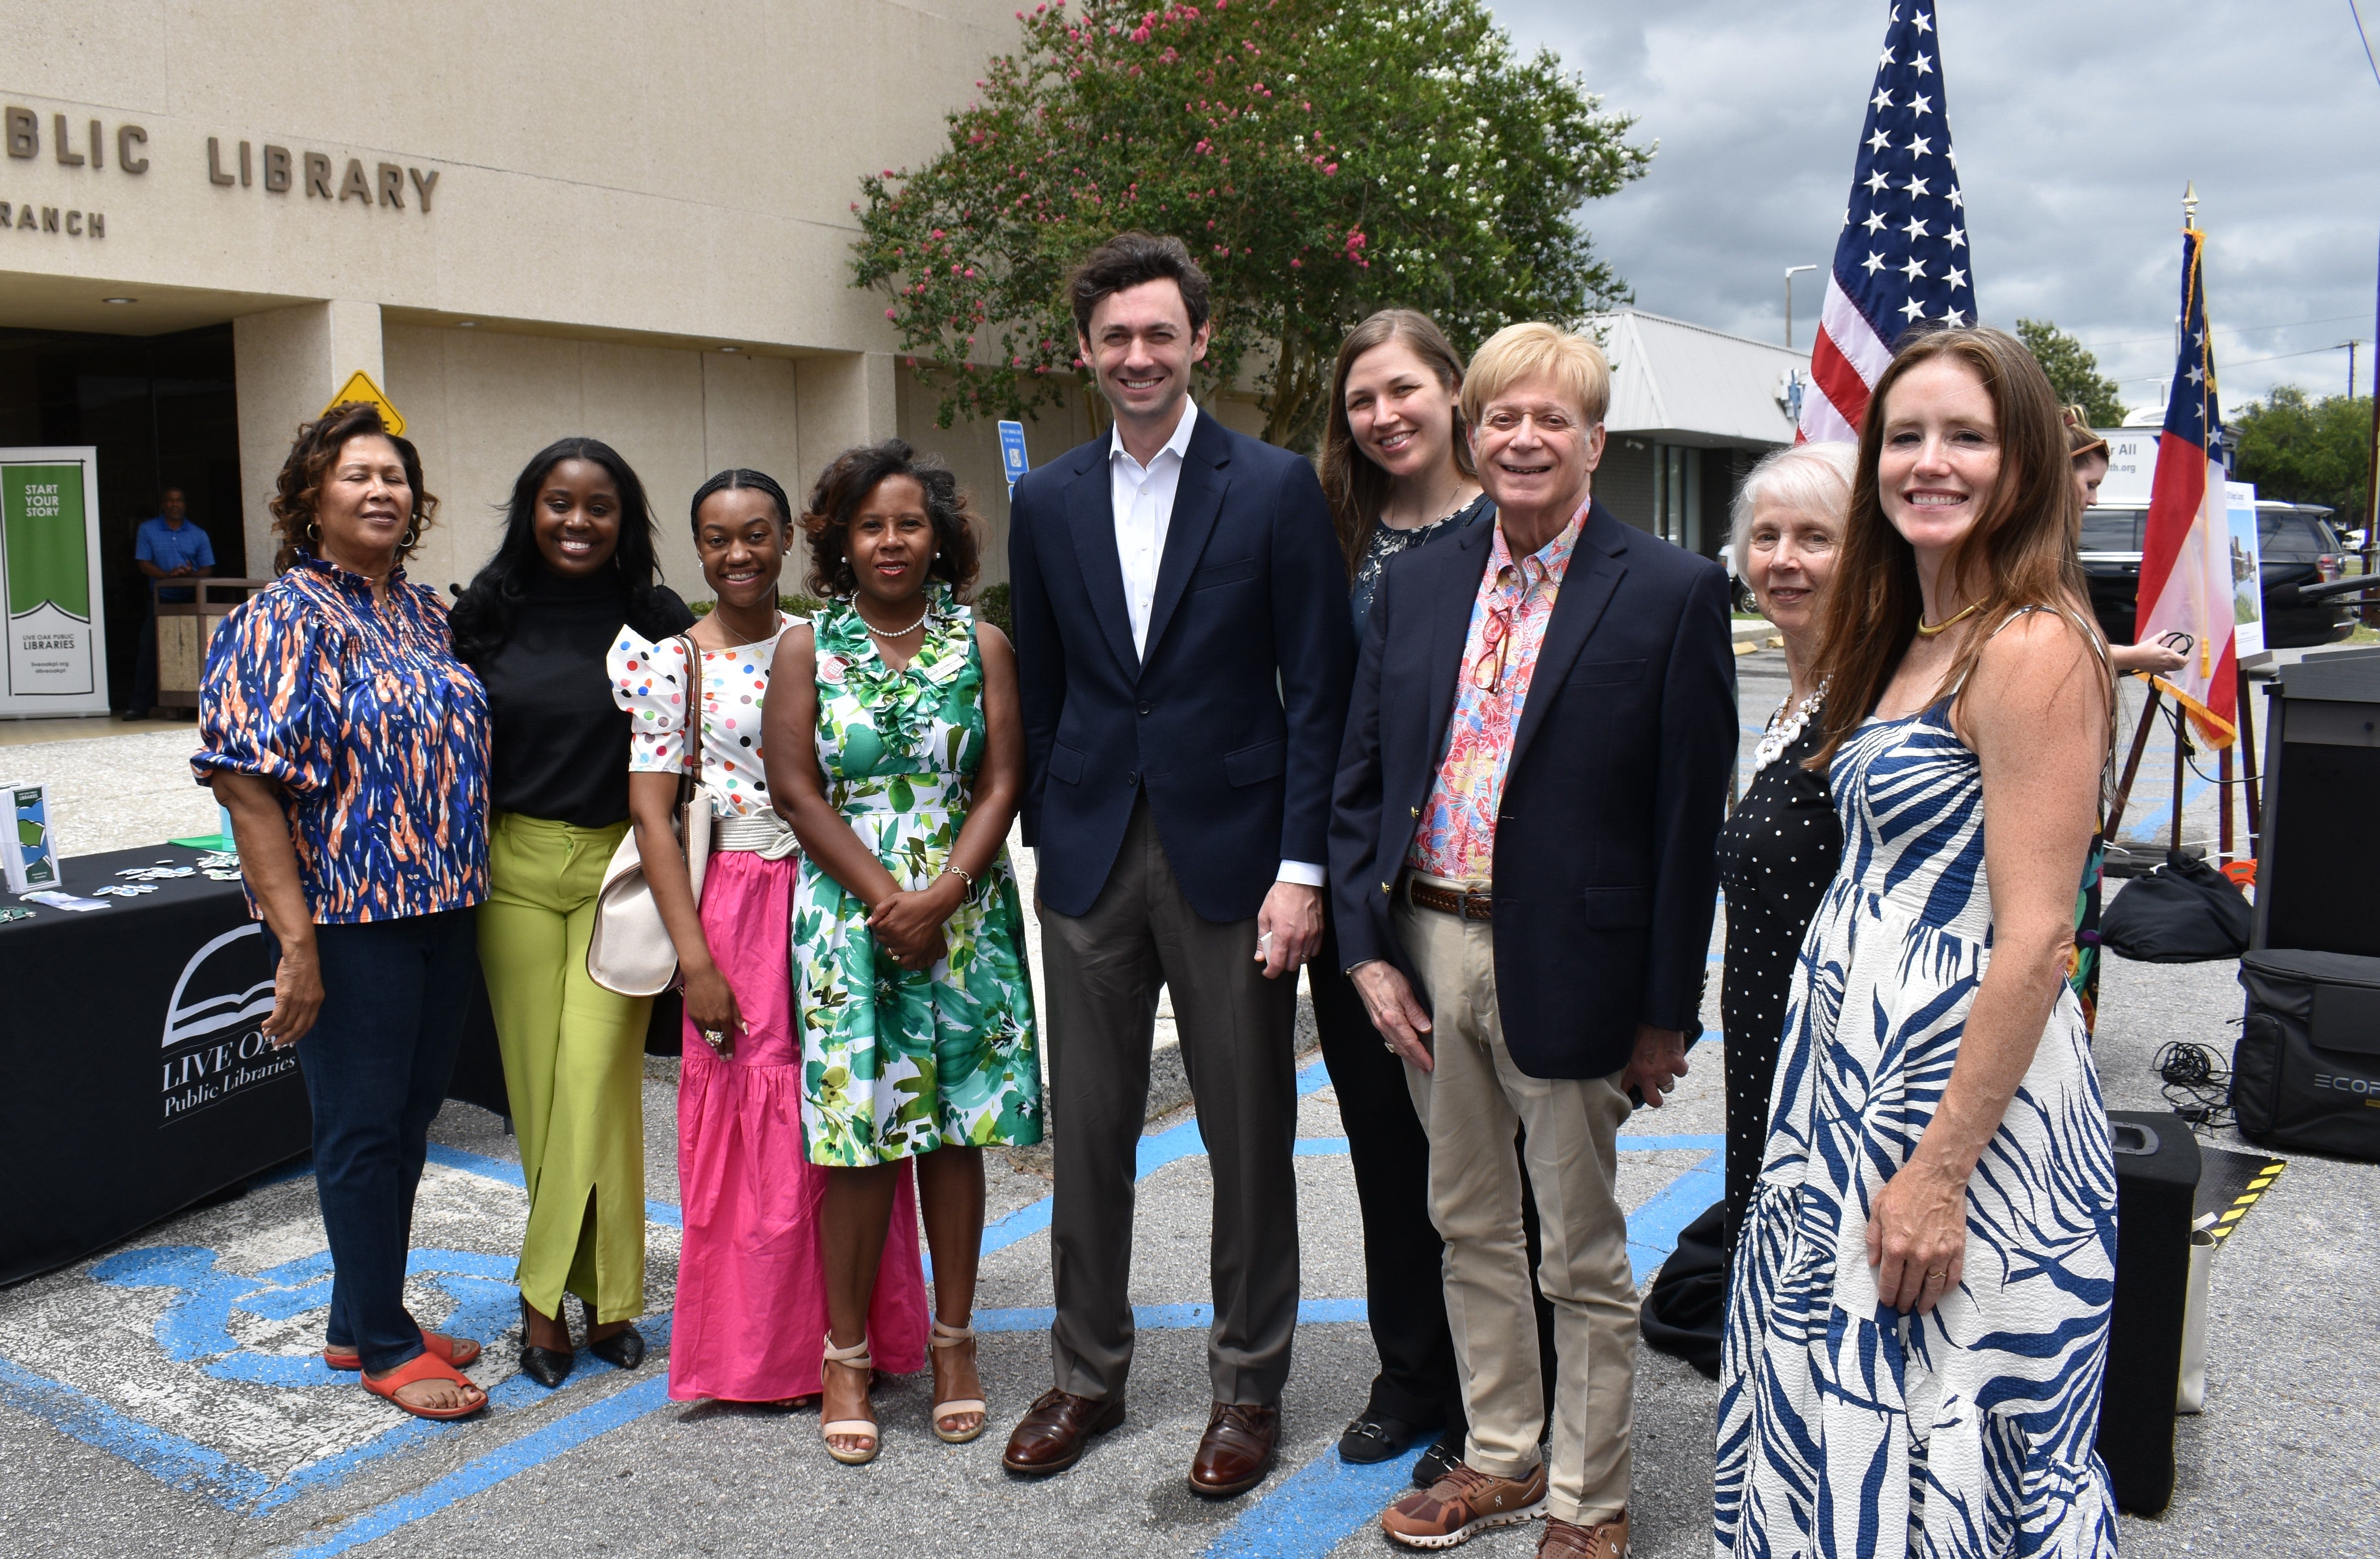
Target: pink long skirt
point(751, 1287)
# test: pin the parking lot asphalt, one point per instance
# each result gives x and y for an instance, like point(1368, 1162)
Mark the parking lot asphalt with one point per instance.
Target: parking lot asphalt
point(159, 1398)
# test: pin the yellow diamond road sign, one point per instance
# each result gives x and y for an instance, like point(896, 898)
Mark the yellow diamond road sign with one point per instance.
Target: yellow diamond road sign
point(359, 387)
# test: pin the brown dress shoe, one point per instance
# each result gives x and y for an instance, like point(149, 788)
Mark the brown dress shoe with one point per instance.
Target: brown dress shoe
point(1568, 1539)
point(1236, 1451)
point(1054, 1431)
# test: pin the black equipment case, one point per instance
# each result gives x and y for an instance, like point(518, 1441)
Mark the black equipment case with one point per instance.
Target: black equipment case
point(2305, 1076)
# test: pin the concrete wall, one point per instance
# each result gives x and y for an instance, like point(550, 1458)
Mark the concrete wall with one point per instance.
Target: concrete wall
point(480, 403)
point(682, 169)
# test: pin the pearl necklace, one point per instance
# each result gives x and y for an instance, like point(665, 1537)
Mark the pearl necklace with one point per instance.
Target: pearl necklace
point(897, 633)
point(1784, 729)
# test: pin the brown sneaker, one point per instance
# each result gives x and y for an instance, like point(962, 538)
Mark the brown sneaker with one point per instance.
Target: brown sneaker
point(1568, 1539)
point(1463, 1502)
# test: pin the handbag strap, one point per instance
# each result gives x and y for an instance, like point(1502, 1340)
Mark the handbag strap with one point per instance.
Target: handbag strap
point(689, 781)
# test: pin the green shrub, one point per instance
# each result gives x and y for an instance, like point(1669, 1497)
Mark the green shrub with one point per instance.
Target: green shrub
point(991, 606)
point(800, 606)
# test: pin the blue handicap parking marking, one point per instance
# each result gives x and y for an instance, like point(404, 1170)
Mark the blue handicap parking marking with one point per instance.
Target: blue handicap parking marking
point(196, 1327)
point(210, 1305)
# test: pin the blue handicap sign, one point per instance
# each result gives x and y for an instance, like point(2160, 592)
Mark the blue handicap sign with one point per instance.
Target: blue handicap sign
point(1012, 453)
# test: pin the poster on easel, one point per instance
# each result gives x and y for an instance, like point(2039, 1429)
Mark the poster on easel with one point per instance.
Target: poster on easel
point(2247, 573)
point(56, 653)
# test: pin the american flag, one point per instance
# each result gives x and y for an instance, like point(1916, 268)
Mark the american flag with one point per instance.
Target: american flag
point(1902, 257)
point(2185, 593)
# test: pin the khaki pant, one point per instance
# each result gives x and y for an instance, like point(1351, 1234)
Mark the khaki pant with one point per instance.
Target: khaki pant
point(1470, 1107)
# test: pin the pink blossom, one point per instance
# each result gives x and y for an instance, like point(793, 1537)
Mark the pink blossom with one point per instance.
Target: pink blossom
point(1298, 265)
point(892, 313)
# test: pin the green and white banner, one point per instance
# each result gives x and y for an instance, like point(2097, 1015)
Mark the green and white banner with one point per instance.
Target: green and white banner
point(49, 577)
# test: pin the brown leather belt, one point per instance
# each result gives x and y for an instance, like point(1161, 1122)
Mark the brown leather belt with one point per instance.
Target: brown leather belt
point(1470, 906)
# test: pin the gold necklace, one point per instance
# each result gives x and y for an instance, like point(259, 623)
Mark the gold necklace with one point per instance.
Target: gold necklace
point(1926, 631)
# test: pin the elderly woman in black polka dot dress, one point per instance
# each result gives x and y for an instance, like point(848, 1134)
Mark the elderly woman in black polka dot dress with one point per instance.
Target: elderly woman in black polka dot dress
point(1776, 857)
point(1781, 844)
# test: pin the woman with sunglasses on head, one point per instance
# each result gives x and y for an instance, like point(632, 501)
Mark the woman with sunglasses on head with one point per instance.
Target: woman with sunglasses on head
point(751, 1295)
point(575, 563)
point(2088, 453)
point(897, 750)
point(350, 747)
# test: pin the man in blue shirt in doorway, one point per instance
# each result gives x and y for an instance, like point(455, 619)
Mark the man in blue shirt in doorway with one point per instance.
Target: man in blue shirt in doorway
point(171, 545)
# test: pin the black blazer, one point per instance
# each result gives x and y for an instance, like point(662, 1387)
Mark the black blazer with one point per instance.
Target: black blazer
point(1606, 870)
point(1231, 723)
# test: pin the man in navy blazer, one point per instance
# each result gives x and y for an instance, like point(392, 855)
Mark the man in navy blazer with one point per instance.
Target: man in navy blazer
point(1523, 868)
point(1179, 606)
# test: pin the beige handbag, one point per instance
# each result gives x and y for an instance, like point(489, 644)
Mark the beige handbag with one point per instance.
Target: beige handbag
point(630, 951)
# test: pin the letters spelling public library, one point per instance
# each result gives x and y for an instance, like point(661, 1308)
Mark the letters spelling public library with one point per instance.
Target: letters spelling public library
point(386, 187)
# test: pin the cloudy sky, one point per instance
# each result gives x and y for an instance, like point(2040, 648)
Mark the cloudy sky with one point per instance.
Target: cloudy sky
point(2077, 123)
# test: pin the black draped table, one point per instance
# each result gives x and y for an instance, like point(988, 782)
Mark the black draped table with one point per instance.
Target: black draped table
point(138, 1078)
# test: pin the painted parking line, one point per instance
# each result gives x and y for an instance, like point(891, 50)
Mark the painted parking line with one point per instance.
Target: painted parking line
point(1312, 1510)
point(539, 1445)
point(1317, 1507)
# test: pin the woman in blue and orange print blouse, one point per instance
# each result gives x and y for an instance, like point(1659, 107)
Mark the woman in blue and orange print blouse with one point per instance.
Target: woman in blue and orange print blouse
point(351, 749)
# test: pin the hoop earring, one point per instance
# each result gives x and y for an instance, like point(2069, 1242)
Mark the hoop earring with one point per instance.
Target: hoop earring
point(412, 535)
point(314, 532)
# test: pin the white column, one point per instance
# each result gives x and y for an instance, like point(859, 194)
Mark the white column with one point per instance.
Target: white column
point(288, 362)
point(841, 399)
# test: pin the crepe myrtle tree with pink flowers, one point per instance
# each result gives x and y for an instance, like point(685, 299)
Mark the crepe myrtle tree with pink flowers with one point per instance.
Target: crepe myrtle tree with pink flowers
point(1322, 158)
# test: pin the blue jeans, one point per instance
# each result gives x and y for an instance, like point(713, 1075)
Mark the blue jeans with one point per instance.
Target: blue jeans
point(377, 1063)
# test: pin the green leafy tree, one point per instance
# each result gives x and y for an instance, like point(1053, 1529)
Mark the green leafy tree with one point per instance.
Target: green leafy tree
point(2308, 452)
point(2074, 373)
point(1321, 159)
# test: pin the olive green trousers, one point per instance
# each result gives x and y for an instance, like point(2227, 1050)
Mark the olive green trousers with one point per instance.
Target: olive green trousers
point(573, 1065)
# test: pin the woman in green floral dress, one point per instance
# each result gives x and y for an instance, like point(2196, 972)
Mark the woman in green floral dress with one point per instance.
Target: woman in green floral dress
point(895, 748)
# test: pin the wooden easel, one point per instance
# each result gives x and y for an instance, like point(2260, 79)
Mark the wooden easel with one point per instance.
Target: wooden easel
point(2245, 742)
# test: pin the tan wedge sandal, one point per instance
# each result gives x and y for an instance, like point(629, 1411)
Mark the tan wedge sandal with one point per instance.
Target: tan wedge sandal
point(951, 1336)
point(853, 1357)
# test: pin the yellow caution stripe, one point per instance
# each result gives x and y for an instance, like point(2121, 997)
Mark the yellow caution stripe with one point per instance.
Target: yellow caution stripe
point(2258, 1183)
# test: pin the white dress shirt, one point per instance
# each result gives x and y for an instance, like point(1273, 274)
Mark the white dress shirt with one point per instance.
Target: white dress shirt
point(1142, 497)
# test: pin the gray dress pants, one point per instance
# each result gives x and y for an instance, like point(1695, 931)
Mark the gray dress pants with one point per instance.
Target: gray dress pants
point(1237, 1028)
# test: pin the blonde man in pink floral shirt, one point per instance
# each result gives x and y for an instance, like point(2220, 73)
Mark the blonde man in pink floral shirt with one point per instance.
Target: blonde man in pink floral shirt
point(1522, 859)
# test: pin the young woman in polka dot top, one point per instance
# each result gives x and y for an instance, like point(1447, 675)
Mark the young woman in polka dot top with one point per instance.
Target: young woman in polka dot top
point(751, 1299)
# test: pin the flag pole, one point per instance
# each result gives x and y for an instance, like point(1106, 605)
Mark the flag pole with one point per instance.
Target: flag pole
point(2222, 757)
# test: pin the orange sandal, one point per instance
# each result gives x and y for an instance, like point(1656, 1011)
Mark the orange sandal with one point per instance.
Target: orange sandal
point(424, 1367)
point(461, 1352)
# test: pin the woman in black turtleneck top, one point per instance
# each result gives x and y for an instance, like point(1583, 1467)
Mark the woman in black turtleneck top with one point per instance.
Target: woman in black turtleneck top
point(575, 564)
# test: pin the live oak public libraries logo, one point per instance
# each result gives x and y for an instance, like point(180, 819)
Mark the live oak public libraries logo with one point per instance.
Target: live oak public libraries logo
point(214, 1045)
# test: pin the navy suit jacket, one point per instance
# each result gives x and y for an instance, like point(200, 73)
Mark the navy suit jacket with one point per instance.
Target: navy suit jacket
point(1607, 868)
point(1230, 723)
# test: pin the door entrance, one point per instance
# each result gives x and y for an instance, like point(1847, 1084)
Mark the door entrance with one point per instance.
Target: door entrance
point(163, 412)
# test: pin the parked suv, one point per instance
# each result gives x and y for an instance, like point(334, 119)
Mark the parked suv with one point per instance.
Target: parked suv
point(2299, 546)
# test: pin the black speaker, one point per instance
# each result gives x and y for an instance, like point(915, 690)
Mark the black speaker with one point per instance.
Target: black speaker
point(2318, 856)
point(2156, 1194)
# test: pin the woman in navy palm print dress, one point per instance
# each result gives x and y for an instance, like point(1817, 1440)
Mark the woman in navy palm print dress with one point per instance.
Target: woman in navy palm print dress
point(1918, 1324)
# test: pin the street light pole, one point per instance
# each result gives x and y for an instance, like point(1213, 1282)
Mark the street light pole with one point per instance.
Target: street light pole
point(1792, 271)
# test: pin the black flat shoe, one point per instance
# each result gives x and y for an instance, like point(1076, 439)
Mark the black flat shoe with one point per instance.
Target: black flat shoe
point(1375, 1437)
point(548, 1367)
point(1439, 1459)
point(624, 1349)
